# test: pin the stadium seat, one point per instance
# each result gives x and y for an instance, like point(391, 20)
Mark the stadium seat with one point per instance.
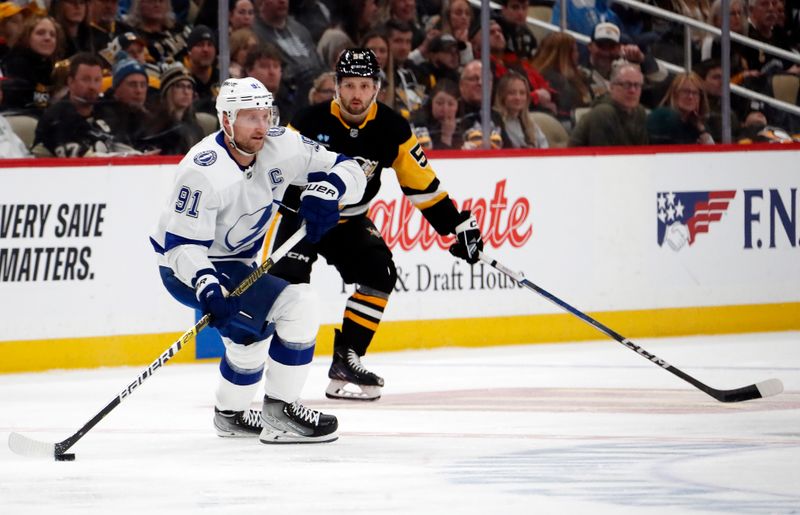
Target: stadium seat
point(579, 112)
point(23, 126)
point(207, 121)
point(556, 134)
point(785, 87)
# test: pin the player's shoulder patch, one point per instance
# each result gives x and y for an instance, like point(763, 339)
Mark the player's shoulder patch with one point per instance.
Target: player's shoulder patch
point(309, 141)
point(276, 131)
point(206, 158)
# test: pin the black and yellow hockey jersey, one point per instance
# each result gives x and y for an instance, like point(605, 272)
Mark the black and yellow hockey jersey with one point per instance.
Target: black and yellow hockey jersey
point(383, 140)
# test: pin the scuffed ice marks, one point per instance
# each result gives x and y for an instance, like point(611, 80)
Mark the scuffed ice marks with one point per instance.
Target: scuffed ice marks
point(621, 474)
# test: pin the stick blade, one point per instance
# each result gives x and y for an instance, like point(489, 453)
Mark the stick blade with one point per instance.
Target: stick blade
point(770, 387)
point(25, 446)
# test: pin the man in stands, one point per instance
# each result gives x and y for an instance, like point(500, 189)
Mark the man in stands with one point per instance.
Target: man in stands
point(71, 127)
point(619, 118)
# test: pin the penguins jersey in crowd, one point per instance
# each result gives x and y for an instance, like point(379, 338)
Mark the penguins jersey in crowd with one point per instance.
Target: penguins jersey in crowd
point(221, 211)
point(383, 140)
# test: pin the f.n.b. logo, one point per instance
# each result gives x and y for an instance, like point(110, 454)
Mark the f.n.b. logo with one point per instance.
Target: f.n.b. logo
point(683, 216)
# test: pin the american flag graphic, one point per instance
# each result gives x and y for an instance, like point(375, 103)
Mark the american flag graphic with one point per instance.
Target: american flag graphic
point(682, 216)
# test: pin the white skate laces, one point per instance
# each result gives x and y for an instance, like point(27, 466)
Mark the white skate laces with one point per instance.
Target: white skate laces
point(306, 414)
point(354, 361)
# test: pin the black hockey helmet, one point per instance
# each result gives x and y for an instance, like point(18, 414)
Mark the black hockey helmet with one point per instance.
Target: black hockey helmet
point(358, 62)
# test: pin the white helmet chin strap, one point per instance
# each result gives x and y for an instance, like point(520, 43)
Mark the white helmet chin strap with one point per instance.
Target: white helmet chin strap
point(231, 139)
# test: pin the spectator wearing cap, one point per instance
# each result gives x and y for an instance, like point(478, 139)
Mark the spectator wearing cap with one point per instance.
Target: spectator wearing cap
point(124, 105)
point(607, 51)
point(154, 21)
point(71, 127)
point(28, 67)
point(264, 63)
point(301, 62)
point(583, 16)
point(617, 119)
point(175, 128)
point(104, 25)
point(200, 60)
point(520, 41)
point(130, 44)
point(12, 19)
point(443, 59)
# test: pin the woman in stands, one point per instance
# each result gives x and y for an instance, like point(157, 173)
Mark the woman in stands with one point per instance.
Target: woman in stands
point(29, 65)
point(241, 41)
point(436, 125)
point(557, 61)
point(377, 42)
point(72, 15)
point(681, 118)
point(176, 128)
point(512, 101)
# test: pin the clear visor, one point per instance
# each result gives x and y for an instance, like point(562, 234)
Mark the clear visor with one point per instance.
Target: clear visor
point(257, 118)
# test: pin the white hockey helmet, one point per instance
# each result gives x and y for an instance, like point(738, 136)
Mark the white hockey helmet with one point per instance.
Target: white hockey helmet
point(237, 94)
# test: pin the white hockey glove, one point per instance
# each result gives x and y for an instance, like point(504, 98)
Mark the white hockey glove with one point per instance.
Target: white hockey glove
point(319, 204)
point(469, 241)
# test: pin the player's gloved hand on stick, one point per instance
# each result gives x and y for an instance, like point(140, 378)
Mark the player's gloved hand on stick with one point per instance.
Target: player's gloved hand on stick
point(214, 302)
point(468, 239)
point(319, 204)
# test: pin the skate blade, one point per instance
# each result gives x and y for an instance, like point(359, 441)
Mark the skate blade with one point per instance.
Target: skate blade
point(235, 434)
point(282, 437)
point(344, 390)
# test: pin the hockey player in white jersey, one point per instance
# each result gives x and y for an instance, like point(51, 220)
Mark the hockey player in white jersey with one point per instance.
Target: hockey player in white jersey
point(209, 237)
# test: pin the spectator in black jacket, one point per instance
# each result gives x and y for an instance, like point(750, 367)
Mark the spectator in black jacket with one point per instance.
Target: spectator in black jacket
point(29, 65)
point(71, 127)
point(124, 105)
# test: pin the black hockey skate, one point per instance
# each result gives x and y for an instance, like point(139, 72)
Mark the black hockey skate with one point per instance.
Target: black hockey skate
point(294, 423)
point(237, 424)
point(350, 379)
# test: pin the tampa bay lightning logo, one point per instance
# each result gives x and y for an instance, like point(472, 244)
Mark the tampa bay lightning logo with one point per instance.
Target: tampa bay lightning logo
point(248, 228)
point(206, 158)
point(276, 131)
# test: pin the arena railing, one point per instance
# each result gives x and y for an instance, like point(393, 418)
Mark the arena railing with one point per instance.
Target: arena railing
point(688, 24)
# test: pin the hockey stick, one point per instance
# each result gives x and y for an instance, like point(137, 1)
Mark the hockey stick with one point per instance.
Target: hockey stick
point(25, 446)
point(754, 391)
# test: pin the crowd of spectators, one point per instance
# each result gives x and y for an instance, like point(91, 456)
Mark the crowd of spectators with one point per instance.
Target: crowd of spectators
point(141, 76)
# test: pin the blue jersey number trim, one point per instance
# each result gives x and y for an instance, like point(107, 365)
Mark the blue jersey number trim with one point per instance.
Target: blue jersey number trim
point(190, 199)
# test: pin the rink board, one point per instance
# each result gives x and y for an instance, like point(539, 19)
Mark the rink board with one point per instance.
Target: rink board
point(654, 243)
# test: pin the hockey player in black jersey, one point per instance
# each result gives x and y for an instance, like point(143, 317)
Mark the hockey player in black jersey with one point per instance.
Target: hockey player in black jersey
point(356, 125)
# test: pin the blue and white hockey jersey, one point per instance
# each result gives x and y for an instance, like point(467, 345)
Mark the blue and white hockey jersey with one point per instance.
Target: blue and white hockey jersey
point(218, 210)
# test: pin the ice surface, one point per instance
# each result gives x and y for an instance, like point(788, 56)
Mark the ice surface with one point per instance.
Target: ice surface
point(570, 428)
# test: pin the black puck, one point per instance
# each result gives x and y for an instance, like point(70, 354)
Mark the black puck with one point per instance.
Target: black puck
point(65, 457)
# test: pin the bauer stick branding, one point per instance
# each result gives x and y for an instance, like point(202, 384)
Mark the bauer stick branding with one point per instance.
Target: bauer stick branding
point(25, 446)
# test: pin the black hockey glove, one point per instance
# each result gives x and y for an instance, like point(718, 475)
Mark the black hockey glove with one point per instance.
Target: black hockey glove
point(319, 204)
point(469, 241)
point(213, 302)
